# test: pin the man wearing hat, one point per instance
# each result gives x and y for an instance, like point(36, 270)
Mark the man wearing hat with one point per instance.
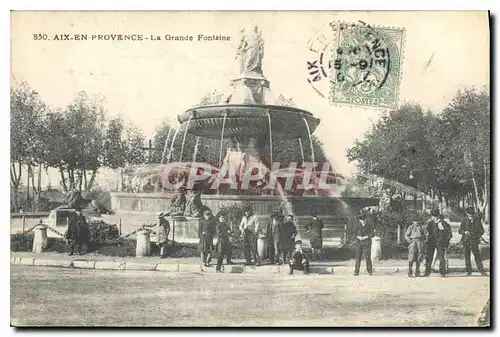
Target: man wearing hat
point(363, 233)
point(415, 236)
point(438, 238)
point(298, 260)
point(315, 230)
point(288, 234)
point(472, 230)
point(223, 246)
point(162, 232)
point(206, 233)
point(249, 226)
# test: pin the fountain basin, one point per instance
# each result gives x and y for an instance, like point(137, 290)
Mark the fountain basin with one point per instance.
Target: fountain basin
point(248, 121)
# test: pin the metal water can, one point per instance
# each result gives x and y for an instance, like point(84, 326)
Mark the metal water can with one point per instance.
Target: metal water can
point(40, 239)
point(143, 245)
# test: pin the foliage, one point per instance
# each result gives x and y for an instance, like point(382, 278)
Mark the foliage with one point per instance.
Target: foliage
point(26, 133)
point(234, 214)
point(445, 155)
point(77, 140)
point(101, 232)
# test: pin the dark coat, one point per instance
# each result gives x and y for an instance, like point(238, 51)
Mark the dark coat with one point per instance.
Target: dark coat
point(77, 228)
point(298, 258)
point(315, 228)
point(435, 236)
point(223, 245)
point(475, 227)
point(366, 230)
point(206, 232)
point(288, 233)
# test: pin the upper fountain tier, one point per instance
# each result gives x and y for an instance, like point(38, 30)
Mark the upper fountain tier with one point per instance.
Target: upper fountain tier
point(250, 110)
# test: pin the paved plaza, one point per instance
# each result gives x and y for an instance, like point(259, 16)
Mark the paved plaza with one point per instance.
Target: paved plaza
point(76, 297)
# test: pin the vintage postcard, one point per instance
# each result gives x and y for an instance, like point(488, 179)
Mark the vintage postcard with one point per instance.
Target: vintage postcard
point(250, 169)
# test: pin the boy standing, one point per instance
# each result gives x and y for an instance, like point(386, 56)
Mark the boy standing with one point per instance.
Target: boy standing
point(415, 235)
point(162, 232)
point(315, 230)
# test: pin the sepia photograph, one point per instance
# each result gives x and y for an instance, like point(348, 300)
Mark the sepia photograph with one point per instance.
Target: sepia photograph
point(250, 169)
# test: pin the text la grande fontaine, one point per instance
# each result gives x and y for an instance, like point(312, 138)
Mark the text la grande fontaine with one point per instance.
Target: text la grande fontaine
point(198, 37)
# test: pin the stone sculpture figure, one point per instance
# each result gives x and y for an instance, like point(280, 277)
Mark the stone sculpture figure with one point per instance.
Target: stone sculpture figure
point(194, 206)
point(178, 204)
point(251, 52)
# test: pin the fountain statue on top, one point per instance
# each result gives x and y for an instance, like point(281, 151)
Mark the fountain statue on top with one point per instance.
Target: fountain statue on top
point(249, 118)
point(251, 52)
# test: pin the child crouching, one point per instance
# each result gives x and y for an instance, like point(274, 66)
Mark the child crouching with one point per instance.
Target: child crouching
point(299, 260)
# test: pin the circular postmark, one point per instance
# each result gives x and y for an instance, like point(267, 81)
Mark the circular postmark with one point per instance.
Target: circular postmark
point(358, 64)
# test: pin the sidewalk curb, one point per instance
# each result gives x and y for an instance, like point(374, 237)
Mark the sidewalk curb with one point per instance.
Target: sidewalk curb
point(196, 268)
point(109, 265)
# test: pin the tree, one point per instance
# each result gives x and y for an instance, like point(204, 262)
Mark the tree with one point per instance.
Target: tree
point(26, 139)
point(445, 155)
point(467, 124)
point(76, 143)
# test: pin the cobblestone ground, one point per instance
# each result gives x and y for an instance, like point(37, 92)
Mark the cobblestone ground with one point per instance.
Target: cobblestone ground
point(67, 297)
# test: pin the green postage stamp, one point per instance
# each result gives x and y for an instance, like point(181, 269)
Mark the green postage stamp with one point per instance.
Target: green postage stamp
point(366, 65)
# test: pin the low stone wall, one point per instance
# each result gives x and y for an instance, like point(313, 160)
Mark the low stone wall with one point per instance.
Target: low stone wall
point(262, 204)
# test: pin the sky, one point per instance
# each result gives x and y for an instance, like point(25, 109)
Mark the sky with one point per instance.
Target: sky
point(148, 81)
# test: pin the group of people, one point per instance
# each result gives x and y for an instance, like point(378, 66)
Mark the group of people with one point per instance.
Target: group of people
point(424, 240)
point(280, 235)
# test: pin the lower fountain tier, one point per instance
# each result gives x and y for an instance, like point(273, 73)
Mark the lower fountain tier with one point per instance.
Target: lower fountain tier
point(134, 209)
point(248, 121)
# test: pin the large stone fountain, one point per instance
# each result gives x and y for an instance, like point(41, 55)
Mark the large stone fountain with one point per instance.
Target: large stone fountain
point(249, 117)
point(248, 120)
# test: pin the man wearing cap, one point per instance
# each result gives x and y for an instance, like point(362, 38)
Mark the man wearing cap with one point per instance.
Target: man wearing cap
point(249, 226)
point(415, 236)
point(438, 238)
point(298, 259)
point(315, 230)
point(206, 233)
point(472, 230)
point(162, 232)
point(363, 233)
point(288, 234)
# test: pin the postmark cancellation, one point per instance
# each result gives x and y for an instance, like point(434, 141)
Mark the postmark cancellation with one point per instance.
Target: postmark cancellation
point(366, 65)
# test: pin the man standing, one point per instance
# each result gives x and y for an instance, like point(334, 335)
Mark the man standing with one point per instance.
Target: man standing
point(438, 238)
point(206, 233)
point(363, 233)
point(288, 234)
point(223, 245)
point(77, 233)
point(249, 226)
point(472, 230)
point(415, 236)
point(315, 230)
point(162, 232)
